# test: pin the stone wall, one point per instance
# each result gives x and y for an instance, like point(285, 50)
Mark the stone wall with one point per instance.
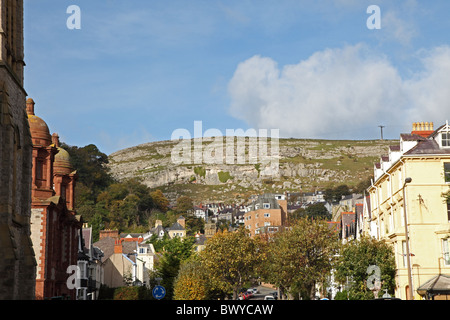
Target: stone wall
point(17, 262)
point(17, 265)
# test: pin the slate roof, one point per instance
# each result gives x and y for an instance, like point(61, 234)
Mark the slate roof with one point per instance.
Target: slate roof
point(175, 226)
point(265, 198)
point(107, 246)
point(428, 146)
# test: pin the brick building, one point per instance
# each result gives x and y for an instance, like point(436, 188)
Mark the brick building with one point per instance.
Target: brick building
point(17, 263)
point(55, 227)
point(267, 214)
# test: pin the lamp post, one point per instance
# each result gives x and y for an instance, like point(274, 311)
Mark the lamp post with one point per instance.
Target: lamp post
point(408, 256)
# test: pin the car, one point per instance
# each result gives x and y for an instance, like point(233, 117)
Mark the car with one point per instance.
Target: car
point(269, 297)
point(255, 290)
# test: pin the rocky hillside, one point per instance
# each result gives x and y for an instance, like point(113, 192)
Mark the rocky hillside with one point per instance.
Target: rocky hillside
point(303, 164)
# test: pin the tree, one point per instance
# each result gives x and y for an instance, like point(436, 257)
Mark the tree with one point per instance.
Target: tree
point(184, 204)
point(160, 200)
point(231, 259)
point(90, 164)
point(301, 256)
point(175, 251)
point(335, 194)
point(316, 210)
point(354, 267)
point(192, 281)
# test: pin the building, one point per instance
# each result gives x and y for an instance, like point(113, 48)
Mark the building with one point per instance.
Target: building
point(267, 214)
point(178, 229)
point(413, 179)
point(17, 263)
point(145, 261)
point(55, 226)
point(90, 261)
point(119, 259)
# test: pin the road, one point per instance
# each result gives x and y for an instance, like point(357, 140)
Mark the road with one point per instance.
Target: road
point(262, 292)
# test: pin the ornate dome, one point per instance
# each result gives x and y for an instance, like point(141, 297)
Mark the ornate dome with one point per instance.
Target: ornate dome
point(61, 163)
point(40, 133)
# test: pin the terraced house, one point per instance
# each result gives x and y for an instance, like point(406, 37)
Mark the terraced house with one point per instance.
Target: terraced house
point(408, 208)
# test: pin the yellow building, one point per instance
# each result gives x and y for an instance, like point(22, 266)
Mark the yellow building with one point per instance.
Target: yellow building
point(416, 173)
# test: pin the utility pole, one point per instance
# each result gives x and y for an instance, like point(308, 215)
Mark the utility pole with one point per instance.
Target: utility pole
point(381, 127)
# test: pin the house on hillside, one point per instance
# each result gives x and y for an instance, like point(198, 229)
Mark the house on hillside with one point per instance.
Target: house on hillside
point(178, 229)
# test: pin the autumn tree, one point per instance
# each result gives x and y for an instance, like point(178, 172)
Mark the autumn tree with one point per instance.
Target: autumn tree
point(353, 268)
point(192, 282)
point(231, 259)
point(301, 256)
point(160, 200)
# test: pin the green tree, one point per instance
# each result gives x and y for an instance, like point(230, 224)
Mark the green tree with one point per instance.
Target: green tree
point(184, 204)
point(175, 251)
point(316, 210)
point(353, 265)
point(90, 164)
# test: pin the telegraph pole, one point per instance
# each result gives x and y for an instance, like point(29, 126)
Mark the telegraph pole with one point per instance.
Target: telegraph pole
point(381, 127)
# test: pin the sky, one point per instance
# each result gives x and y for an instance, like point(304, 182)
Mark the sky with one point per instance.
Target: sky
point(137, 70)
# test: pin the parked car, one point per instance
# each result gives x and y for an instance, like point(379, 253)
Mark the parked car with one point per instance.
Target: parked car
point(254, 290)
point(269, 297)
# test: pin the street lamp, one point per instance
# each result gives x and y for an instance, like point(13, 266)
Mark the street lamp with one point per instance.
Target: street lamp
point(408, 259)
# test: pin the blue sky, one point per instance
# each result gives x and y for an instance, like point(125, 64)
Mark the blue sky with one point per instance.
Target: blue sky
point(137, 70)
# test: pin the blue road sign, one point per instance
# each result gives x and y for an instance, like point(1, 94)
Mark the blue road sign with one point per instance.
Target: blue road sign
point(159, 292)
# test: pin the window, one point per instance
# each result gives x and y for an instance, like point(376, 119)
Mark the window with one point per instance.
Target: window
point(266, 205)
point(448, 210)
point(446, 252)
point(447, 171)
point(445, 139)
point(266, 224)
point(63, 192)
point(405, 263)
point(39, 169)
point(267, 215)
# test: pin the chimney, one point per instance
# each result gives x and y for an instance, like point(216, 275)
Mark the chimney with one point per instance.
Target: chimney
point(423, 129)
point(30, 106)
point(118, 246)
point(109, 234)
point(55, 139)
point(182, 221)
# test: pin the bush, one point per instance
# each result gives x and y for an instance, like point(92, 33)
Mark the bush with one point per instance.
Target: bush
point(132, 293)
point(224, 176)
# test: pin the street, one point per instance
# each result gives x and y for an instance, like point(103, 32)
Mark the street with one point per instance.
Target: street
point(262, 292)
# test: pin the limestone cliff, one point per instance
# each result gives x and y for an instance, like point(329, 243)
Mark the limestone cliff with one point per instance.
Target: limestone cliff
point(302, 164)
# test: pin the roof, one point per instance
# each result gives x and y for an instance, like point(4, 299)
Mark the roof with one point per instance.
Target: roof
point(428, 146)
point(439, 284)
point(175, 226)
point(107, 246)
point(265, 198)
point(411, 137)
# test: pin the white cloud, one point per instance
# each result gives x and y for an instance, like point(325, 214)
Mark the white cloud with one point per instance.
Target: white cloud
point(339, 90)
